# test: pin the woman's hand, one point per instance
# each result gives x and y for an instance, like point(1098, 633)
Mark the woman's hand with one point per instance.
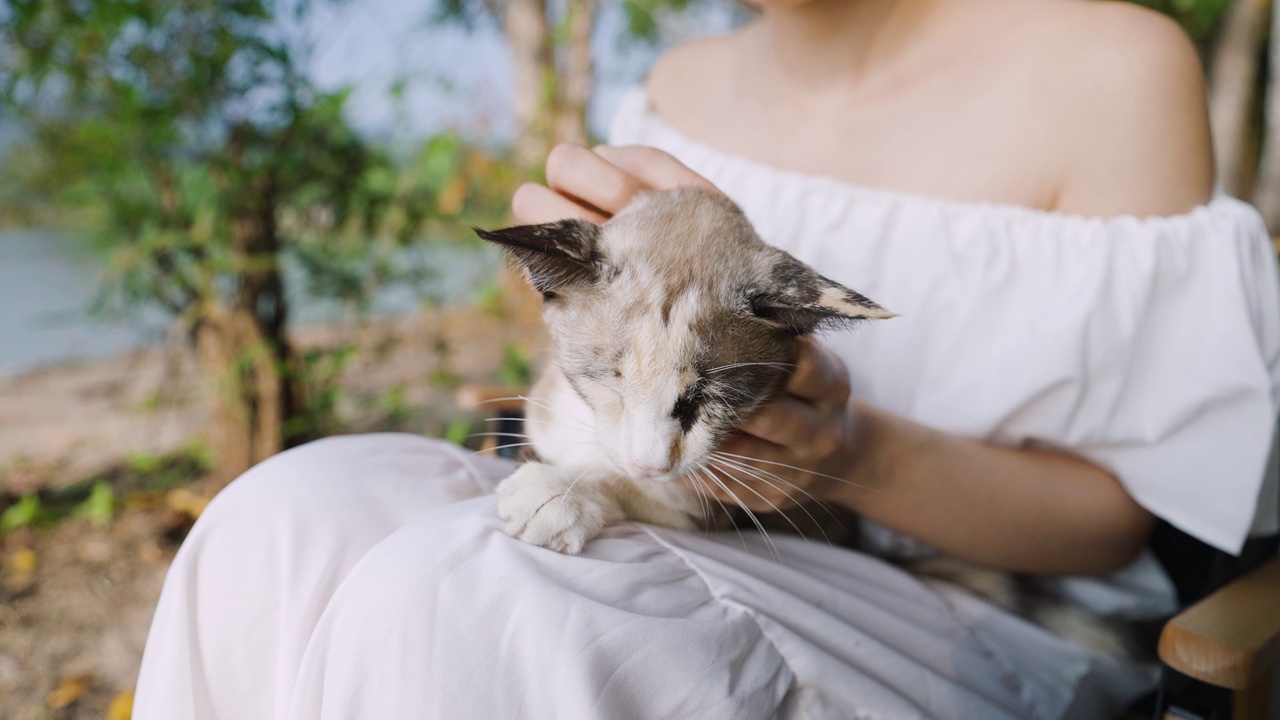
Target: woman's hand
point(799, 447)
point(595, 184)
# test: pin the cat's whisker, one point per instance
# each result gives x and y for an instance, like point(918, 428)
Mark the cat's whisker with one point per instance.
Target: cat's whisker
point(507, 446)
point(498, 434)
point(567, 490)
point(751, 472)
point(552, 423)
point(501, 399)
point(798, 469)
point(729, 474)
point(703, 505)
point(702, 474)
point(532, 401)
point(528, 437)
point(731, 366)
point(720, 458)
point(764, 534)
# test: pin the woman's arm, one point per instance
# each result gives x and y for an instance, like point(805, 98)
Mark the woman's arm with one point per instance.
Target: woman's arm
point(1020, 509)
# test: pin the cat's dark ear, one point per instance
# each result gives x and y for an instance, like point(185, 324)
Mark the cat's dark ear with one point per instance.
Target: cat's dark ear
point(800, 299)
point(557, 254)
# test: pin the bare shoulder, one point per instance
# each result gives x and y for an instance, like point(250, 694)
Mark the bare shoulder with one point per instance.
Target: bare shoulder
point(1128, 92)
point(688, 81)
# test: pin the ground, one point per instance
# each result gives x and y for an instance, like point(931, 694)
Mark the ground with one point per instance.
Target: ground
point(79, 590)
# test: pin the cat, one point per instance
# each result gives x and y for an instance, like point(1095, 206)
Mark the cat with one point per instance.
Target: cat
point(669, 324)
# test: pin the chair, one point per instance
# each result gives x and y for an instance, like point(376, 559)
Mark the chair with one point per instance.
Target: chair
point(1218, 655)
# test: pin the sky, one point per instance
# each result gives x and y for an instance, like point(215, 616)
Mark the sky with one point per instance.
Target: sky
point(457, 79)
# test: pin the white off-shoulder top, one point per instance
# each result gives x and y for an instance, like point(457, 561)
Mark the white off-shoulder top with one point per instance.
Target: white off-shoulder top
point(1150, 346)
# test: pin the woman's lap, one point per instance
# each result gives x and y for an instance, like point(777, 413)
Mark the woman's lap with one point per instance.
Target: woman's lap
point(366, 577)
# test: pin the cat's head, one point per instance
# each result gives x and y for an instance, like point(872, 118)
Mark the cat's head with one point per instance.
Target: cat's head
point(673, 320)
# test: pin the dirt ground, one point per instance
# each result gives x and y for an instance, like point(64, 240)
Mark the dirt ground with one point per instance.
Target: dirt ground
point(77, 595)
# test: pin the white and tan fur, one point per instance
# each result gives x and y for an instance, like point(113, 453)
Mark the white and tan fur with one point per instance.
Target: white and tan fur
point(677, 297)
point(674, 300)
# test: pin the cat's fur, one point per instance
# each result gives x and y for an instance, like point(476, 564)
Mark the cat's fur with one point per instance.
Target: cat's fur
point(670, 324)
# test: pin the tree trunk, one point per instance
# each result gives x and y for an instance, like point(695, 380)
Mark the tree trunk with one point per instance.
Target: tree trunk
point(529, 39)
point(1267, 194)
point(576, 72)
point(244, 352)
point(243, 386)
point(1233, 79)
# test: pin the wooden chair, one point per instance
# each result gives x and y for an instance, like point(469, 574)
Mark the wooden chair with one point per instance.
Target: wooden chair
point(1219, 655)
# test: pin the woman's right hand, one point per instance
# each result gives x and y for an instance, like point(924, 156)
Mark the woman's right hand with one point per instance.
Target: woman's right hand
point(595, 184)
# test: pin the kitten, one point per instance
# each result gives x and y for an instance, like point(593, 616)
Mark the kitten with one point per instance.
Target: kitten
point(669, 324)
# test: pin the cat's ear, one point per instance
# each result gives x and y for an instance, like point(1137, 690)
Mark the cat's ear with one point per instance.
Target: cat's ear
point(804, 301)
point(557, 254)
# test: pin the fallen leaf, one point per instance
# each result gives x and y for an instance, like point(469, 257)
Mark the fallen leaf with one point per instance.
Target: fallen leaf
point(23, 560)
point(68, 692)
point(121, 707)
point(20, 571)
point(185, 501)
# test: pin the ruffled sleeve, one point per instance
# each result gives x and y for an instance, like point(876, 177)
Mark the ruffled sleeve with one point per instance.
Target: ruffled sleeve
point(1150, 346)
point(1167, 371)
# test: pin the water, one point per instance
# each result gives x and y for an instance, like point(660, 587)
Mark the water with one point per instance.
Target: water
point(48, 282)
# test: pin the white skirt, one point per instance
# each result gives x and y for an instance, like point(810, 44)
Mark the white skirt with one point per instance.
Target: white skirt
point(366, 577)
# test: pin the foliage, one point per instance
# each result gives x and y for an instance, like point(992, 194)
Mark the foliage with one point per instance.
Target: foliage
point(100, 506)
point(27, 511)
point(458, 431)
point(516, 369)
point(96, 499)
point(1198, 17)
point(208, 165)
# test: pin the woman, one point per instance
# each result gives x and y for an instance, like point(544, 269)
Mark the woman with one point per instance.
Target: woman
point(1088, 340)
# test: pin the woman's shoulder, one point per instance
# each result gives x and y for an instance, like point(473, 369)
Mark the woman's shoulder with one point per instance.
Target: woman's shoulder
point(689, 80)
point(1125, 92)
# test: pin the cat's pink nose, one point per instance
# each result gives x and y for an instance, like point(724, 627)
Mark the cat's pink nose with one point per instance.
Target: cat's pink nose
point(648, 469)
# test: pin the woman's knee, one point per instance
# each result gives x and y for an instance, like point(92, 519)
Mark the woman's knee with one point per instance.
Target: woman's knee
point(353, 488)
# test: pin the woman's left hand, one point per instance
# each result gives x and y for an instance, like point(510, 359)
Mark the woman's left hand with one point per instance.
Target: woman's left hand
point(797, 448)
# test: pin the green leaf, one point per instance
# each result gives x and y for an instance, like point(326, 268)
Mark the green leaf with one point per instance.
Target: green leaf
point(458, 431)
point(100, 506)
point(27, 511)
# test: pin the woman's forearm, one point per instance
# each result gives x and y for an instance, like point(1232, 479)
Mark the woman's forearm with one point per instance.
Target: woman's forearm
point(1023, 510)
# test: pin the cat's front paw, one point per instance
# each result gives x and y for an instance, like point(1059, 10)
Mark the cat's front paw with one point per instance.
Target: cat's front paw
point(555, 508)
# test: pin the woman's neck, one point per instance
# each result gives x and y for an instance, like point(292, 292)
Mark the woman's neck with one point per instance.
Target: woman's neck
point(821, 44)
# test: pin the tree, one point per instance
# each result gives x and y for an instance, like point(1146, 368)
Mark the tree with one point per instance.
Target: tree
point(551, 71)
point(190, 122)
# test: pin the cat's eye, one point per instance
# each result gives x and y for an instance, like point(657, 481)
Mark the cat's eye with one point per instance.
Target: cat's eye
point(548, 296)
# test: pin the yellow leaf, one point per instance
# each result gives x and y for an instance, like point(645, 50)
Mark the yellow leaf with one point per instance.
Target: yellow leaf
point(185, 501)
point(121, 707)
point(68, 692)
point(23, 560)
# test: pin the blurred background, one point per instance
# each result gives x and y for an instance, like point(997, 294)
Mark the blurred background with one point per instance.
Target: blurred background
point(228, 227)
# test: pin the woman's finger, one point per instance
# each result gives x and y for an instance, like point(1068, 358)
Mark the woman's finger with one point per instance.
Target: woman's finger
point(819, 375)
point(534, 204)
point(652, 167)
point(784, 421)
point(583, 175)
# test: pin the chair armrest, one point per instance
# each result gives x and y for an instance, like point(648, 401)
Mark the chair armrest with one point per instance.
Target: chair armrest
point(1232, 636)
point(492, 398)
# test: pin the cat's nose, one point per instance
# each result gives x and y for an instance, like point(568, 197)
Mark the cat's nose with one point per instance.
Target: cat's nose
point(648, 469)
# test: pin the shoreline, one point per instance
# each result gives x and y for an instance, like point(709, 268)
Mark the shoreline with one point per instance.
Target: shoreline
point(66, 422)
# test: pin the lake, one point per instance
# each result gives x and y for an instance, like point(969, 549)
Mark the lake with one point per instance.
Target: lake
point(48, 282)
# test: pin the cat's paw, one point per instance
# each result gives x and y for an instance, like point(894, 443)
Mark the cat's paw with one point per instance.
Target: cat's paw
point(554, 508)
